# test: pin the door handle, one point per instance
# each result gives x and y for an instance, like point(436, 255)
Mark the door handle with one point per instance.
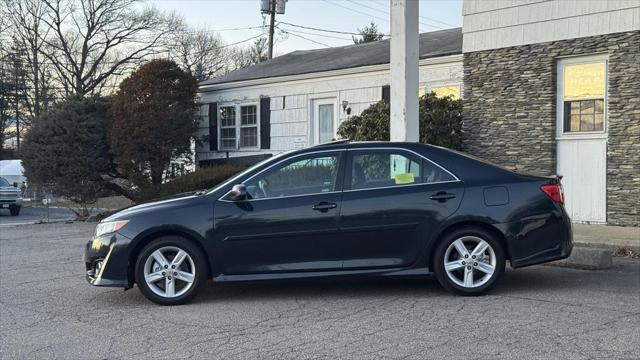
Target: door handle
point(324, 206)
point(442, 196)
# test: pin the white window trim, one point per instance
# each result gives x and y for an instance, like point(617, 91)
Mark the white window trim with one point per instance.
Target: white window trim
point(589, 59)
point(238, 125)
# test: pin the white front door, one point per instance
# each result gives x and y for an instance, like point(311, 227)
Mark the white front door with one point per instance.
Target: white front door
point(324, 120)
point(582, 137)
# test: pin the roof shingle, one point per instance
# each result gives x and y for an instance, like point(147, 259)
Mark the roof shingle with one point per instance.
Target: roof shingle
point(432, 44)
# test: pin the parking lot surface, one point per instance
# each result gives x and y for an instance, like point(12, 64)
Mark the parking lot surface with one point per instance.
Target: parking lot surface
point(48, 311)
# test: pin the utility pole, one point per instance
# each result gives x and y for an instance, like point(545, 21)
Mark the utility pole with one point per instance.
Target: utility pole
point(272, 7)
point(272, 24)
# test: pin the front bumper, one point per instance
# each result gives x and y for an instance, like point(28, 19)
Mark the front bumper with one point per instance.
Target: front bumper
point(7, 202)
point(112, 250)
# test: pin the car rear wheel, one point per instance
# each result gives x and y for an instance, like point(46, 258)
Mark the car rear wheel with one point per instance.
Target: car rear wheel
point(469, 261)
point(170, 271)
point(14, 210)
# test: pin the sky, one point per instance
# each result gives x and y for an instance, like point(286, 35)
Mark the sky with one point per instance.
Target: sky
point(338, 15)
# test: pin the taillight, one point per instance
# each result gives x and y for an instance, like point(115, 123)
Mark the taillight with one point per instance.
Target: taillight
point(554, 192)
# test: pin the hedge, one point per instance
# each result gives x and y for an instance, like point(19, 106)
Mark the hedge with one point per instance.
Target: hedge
point(203, 178)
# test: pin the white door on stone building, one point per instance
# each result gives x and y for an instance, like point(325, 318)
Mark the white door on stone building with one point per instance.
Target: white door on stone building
point(582, 136)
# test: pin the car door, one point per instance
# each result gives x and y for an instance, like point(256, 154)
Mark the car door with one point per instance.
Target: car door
point(392, 199)
point(289, 222)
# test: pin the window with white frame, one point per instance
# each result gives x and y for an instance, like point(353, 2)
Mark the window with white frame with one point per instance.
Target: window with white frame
point(238, 127)
point(248, 126)
point(583, 95)
point(227, 127)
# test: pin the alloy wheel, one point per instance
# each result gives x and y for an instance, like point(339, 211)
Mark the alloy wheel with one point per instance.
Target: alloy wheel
point(470, 261)
point(169, 272)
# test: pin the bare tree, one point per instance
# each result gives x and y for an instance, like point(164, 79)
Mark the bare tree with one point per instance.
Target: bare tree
point(257, 52)
point(91, 41)
point(6, 70)
point(198, 51)
point(14, 85)
point(28, 32)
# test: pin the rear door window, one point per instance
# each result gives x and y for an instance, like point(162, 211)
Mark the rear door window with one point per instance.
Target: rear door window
point(390, 168)
point(375, 169)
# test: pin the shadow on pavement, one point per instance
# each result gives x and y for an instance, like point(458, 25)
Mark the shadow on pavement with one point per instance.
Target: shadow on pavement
point(534, 279)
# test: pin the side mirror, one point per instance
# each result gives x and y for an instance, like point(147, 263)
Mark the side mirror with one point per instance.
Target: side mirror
point(239, 192)
point(15, 184)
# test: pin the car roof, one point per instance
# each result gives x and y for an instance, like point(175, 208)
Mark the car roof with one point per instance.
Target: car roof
point(347, 144)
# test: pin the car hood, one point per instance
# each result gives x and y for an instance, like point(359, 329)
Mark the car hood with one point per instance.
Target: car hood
point(150, 207)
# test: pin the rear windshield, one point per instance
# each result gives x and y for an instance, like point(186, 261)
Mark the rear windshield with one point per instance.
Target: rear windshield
point(4, 182)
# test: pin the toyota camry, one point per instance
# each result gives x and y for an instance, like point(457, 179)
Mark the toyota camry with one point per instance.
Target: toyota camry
point(339, 209)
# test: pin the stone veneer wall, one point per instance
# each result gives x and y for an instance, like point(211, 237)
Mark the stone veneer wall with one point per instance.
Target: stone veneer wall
point(510, 111)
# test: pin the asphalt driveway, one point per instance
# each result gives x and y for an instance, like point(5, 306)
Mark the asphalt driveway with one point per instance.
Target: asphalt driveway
point(48, 311)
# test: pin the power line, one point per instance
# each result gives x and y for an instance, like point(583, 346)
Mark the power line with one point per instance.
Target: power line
point(369, 7)
point(229, 29)
point(320, 29)
point(306, 38)
point(356, 11)
point(386, 12)
point(241, 41)
point(374, 16)
point(314, 34)
point(438, 21)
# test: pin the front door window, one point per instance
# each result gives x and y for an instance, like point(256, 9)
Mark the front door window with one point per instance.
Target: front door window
point(310, 175)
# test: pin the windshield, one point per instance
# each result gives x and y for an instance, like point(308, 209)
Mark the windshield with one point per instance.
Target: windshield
point(4, 182)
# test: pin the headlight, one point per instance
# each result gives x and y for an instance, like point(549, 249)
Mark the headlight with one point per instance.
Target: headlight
point(109, 227)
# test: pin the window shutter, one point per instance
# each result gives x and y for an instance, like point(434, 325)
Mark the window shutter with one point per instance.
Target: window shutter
point(265, 123)
point(386, 94)
point(213, 126)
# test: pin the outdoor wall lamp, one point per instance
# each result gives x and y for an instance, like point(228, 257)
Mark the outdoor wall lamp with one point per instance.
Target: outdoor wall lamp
point(346, 107)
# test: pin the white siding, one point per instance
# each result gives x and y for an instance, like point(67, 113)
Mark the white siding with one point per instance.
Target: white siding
point(290, 101)
point(502, 23)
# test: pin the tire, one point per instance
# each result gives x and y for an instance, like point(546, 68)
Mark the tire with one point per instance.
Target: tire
point(14, 210)
point(193, 267)
point(455, 277)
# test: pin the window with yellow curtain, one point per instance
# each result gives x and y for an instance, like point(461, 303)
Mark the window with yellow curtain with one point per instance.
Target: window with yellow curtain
point(448, 90)
point(583, 94)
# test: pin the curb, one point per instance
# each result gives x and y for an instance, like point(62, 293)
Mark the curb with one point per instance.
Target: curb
point(610, 247)
point(586, 258)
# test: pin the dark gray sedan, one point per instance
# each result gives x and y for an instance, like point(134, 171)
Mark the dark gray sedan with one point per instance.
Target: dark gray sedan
point(340, 209)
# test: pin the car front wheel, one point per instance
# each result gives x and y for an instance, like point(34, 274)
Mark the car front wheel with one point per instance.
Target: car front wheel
point(469, 261)
point(170, 271)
